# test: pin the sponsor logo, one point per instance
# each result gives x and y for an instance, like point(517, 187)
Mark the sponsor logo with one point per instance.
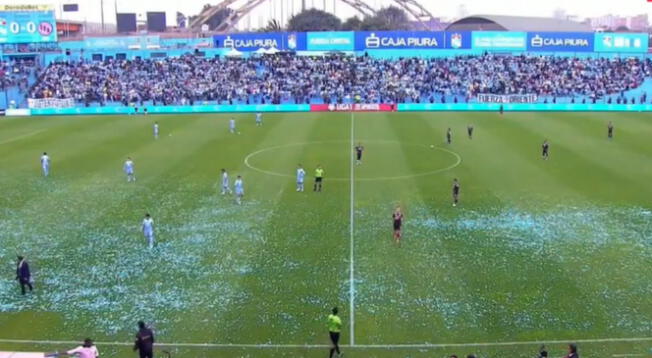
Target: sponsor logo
point(538, 41)
point(607, 41)
point(245, 43)
point(330, 41)
point(292, 41)
point(495, 98)
point(456, 40)
point(350, 107)
point(373, 41)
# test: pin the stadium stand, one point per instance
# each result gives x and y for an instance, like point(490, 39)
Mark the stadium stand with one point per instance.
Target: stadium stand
point(15, 79)
point(290, 79)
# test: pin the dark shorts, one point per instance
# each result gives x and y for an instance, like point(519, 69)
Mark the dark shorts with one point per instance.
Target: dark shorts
point(318, 180)
point(335, 337)
point(397, 225)
point(144, 353)
point(359, 155)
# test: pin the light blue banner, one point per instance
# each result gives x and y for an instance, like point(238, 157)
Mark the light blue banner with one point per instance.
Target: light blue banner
point(621, 42)
point(121, 42)
point(499, 41)
point(173, 109)
point(532, 107)
point(331, 41)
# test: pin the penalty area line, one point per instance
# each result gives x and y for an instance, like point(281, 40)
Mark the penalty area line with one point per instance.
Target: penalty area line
point(356, 346)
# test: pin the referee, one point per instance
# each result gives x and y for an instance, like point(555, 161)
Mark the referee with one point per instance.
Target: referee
point(319, 178)
point(334, 328)
point(144, 341)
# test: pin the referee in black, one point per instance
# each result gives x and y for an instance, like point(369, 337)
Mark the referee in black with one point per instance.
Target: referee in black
point(144, 341)
point(23, 275)
point(358, 153)
point(456, 192)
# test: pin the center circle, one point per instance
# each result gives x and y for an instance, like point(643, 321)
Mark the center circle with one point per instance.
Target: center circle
point(382, 160)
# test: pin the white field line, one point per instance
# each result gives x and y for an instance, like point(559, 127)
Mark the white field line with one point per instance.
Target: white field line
point(629, 355)
point(22, 136)
point(357, 346)
point(458, 161)
point(351, 237)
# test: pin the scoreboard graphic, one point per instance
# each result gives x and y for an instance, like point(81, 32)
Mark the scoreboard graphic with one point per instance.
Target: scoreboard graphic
point(27, 24)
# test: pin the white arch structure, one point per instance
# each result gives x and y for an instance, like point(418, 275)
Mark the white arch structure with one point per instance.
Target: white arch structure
point(412, 7)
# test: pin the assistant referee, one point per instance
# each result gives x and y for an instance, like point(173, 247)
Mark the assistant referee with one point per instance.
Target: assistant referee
point(319, 178)
point(334, 328)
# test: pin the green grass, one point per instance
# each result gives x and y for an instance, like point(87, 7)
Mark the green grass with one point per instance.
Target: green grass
point(537, 251)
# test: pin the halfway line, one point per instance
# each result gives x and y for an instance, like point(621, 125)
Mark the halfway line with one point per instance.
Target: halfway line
point(351, 258)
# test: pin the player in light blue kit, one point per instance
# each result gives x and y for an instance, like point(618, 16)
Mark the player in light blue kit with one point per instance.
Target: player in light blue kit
point(148, 230)
point(155, 130)
point(239, 190)
point(259, 119)
point(45, 164)
point(232, 125)
point(226, 188)
point(301, 175)
point(129, 170)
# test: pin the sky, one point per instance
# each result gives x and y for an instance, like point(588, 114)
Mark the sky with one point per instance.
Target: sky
point(449, 9)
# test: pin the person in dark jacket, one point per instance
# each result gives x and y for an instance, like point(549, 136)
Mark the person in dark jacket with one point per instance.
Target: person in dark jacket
point(23, 274)
point(144, 341)
point(572, 351)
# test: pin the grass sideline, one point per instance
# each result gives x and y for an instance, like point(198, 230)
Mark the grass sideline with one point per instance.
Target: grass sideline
point(538, 250)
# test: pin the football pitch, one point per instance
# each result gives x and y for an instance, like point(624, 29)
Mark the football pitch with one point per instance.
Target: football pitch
point(554, 250)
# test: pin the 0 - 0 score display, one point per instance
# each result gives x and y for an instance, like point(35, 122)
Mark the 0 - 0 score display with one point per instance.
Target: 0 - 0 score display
point(27, 24)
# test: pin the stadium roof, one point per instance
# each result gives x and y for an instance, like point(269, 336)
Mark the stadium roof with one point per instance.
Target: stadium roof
point(516, 23)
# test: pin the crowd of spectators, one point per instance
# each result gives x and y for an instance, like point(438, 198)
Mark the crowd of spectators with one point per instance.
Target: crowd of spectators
point(16, 74)
point(296, 79)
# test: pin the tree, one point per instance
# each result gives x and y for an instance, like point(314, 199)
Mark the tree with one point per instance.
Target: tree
point(272, 26)
point(352, 24)
point(314, 20)
point(374, 23)
point(394, 18)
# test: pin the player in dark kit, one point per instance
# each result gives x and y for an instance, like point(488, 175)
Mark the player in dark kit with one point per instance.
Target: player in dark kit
point(456, 191)
point(397, 218)
point(469, 130)
point(545, 150)
point(358, 154)
point(449, 136)
point(610, 130)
